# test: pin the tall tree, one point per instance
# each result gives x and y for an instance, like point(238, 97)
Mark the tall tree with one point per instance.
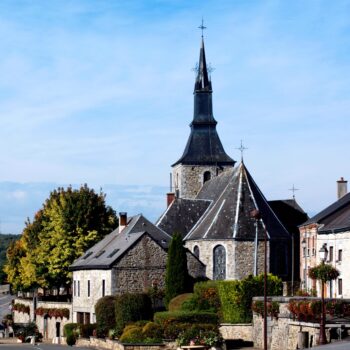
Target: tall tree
point(176, 276)
point(70, 222)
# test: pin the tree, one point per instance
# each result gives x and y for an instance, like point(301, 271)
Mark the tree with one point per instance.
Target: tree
point(69, 223)
point(176, 276)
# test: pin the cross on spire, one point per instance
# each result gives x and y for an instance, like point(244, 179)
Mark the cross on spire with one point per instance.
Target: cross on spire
point(201, 27)
point(242, 149)
point(293, 189)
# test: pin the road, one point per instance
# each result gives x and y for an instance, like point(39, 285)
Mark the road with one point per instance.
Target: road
point(39, 347)
point(341, 345)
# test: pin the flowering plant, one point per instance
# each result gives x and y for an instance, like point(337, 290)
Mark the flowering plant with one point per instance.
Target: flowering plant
point(323, 272)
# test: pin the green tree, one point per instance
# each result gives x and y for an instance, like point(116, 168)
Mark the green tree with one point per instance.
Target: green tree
point(69, 223)
point(177, 279)
point(5, 241)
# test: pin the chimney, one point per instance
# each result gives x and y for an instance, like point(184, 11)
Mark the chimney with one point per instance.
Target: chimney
point(123, 220)
point(170, 198)
point(342, 186)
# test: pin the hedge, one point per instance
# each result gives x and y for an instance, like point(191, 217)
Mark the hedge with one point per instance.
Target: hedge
point(105, 315)
point(186, 317)
point(131, 308)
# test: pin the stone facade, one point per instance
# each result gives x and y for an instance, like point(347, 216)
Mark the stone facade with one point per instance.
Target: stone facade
point(239, 265)
point(242, 331)
point(140, 268)
point(189, 179)
point(195, 267)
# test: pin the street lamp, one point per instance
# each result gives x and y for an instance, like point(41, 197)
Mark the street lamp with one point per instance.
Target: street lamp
point(323, 339)
point(303, 245)
point(257, 216)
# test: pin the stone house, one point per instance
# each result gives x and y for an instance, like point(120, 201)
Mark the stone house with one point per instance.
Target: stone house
point(329, 228)
point(131, 259)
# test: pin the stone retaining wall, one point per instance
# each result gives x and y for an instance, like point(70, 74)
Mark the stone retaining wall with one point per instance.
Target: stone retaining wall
point(242, 331)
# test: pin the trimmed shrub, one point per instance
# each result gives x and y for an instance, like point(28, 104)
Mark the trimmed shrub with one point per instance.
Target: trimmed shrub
point(105, 315)
point(70, 328)
point(236, 296)
point(131, 308)
point(186, 317)
point(176, 303)
point(71, 339)
point(132, 334)
point(152, 330)
point(205, 298)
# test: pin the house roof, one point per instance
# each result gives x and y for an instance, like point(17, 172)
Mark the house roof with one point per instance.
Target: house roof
point(113, 246)
point(332, 210)
point(235, 194)
point(182, 214)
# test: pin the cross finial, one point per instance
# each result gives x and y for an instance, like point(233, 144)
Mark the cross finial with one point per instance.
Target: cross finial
point(242, 149)
point(201, 27)
point(293, 189)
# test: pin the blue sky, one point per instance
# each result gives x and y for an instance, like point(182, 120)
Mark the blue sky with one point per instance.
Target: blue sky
point(100, 92)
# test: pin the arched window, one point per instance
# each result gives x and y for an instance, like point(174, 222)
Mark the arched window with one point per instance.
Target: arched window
point(196, 251)
point(206, 176)
point(219, 266)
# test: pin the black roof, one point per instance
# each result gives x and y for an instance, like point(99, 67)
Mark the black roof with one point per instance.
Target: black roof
point(204, 146)
point(229, 216)
point(334, 208)
point(182, 214)
point(112, 247)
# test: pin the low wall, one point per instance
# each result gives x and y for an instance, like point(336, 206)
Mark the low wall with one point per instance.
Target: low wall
point(115, 345)
point(282, 331)
point(242, 331)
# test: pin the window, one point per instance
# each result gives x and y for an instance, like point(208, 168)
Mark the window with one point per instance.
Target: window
point(340, 286)
point(206, 176)
point(330, 254)
point(196, 251)
point(340, 255)
point(75, 288)
point(219, 266)
point(103, 288)
point(88, 288)
point(78, 288)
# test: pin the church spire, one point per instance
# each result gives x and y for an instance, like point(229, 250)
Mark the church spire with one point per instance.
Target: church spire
point(203, 82)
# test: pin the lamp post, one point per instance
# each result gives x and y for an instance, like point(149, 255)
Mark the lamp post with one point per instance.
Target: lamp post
point(257, 216)
point(323, 339)
point(303, 245)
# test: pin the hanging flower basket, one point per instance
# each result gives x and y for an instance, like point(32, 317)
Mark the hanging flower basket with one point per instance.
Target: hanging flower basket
point(323, 272)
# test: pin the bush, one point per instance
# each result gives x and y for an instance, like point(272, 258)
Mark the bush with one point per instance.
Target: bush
point(152, 330)
point(131, 308)
point(132, 334)
point(205, 298)
point(176, 303)
point(186, 317)
point(87, 330)
point(236, 296)
point(71, 339)
point(199, 336)
point(105, 315)
point(70, 328)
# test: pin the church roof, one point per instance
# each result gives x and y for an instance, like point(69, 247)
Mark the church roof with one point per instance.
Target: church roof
point(113, 246)
point(182, 214)
point(229, 216)
point(204, 146)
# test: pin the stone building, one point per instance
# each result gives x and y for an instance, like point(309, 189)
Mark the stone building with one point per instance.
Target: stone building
point(213, 200)
point(329, 228)
point(131, 259)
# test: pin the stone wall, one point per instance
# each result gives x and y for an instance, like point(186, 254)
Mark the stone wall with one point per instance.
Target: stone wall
point(141, 267)
point(188, 179)
point(237, 331)
point(194, 266)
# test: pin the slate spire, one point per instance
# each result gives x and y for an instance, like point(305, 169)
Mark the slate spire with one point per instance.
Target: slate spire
point(204, 146)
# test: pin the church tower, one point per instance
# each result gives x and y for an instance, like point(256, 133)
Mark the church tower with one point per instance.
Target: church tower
point(204, 156)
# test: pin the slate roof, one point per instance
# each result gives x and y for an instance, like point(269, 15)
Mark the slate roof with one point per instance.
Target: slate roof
point(106, 252)
point(204, 146)
point(336, 213)
point(182, 214)
point(228, 217)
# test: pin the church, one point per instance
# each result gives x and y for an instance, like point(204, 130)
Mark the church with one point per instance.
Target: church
point(210, 205)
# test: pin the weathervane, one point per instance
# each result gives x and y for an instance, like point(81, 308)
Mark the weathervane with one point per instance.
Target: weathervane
point(293, 189)
point(201, 27)
point(242, 149)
